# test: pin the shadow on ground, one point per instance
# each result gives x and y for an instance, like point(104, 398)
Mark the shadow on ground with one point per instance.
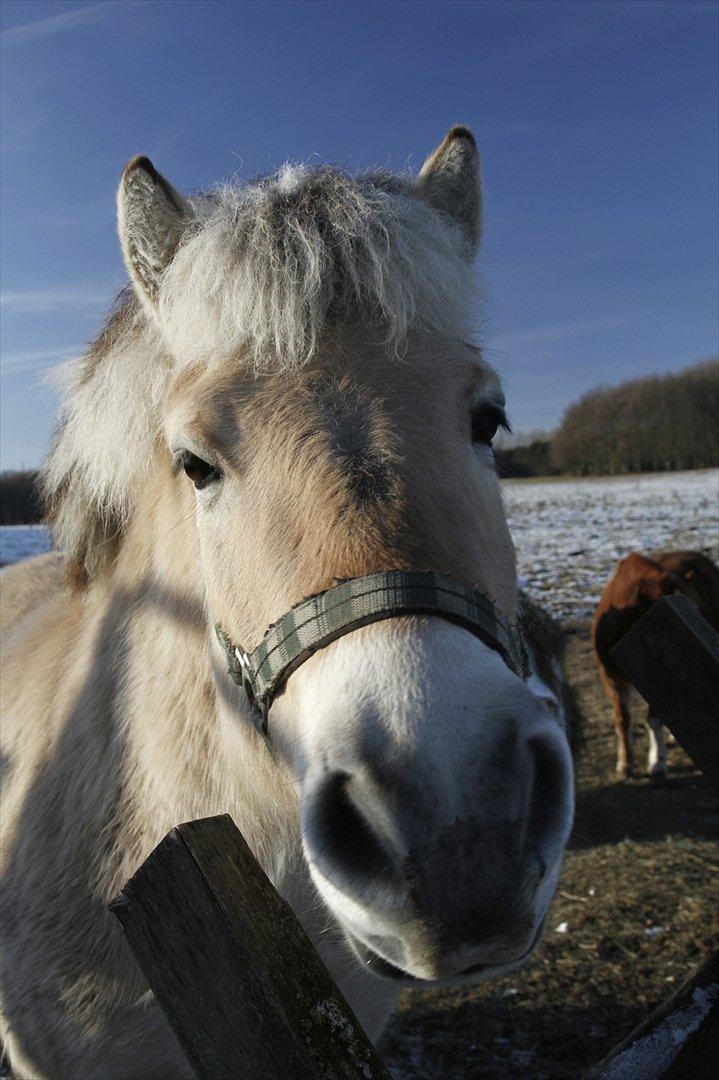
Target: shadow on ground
point(643, 810)
point(497, 1038)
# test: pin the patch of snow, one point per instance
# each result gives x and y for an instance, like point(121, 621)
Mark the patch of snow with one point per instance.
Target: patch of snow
point(23, 542)
point(569, 534)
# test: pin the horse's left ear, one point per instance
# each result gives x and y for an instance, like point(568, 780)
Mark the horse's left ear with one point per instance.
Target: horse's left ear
point(450, 180)
point(151, 217)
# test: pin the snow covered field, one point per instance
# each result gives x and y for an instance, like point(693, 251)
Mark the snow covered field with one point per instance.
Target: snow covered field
point(568, 533)
point(22, 542)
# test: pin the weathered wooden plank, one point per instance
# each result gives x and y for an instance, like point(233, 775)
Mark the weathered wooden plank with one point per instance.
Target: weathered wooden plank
point(672, 656)
point(241, 984)
point(679, 1040)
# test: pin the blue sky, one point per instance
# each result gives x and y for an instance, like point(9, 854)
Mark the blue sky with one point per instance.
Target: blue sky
point(596, 123)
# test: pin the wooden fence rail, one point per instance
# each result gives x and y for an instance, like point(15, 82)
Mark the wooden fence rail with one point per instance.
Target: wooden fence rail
point(237, 977)
point(672, 656)
point(678, 1039)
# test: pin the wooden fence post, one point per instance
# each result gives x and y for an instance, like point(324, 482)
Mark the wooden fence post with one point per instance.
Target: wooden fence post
point(240, 982)
point(672, 656)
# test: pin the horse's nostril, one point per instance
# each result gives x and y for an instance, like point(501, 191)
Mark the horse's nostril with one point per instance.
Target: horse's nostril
point(549, 794)
point(338, 838)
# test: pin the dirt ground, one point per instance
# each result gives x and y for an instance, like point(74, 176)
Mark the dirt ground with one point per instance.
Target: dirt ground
point(637, 902)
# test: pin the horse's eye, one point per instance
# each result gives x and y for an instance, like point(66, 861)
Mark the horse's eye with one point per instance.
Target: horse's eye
point(485, 421)
point(200, 472)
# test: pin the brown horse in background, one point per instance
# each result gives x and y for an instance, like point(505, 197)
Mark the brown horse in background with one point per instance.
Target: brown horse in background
point(637, 583)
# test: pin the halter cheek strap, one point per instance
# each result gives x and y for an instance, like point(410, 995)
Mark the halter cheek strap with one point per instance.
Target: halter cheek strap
point(321, 619)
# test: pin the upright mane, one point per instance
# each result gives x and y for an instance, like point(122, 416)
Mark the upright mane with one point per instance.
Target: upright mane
point(260, 271)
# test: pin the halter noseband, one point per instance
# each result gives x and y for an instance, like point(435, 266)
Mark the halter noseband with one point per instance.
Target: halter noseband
point(321, 619)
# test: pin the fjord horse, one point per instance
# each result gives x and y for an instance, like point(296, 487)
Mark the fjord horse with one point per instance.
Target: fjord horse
point(287, 397)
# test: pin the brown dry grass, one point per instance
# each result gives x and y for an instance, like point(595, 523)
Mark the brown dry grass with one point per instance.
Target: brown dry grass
point(649, 854)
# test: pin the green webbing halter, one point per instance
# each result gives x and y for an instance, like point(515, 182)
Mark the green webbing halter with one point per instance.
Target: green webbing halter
point(321, 619)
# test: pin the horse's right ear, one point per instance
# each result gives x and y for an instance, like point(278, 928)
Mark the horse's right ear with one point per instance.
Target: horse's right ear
point(450, 180)
point(151, 217)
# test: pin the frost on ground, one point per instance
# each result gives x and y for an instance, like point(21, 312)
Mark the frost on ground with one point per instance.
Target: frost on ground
point(22, 542)
point(569, 534)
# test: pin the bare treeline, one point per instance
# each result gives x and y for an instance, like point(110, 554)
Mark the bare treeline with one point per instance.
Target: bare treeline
point(658, 423)
point(19, 498)
point(526, 459)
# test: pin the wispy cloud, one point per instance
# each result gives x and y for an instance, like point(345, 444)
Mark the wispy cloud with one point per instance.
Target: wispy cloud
point(34, 359)
point(68, 20)
point(545, 335)
point(68, 297)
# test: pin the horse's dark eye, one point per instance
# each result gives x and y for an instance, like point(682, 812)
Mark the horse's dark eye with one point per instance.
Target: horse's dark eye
point(485, 422)
point(200, 472)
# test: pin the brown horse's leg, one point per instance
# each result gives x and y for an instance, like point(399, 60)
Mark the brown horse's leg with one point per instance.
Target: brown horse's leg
point(657, 760)
point(618, 691)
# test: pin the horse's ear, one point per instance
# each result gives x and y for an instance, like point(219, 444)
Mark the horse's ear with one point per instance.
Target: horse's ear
point(450, 181)
point(151, 217)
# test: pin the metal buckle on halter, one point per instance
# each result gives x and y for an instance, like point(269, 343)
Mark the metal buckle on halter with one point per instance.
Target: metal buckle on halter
point(245, 678)
point(259, 715)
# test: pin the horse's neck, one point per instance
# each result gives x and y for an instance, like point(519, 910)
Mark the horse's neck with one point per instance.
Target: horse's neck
point(193, 748)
